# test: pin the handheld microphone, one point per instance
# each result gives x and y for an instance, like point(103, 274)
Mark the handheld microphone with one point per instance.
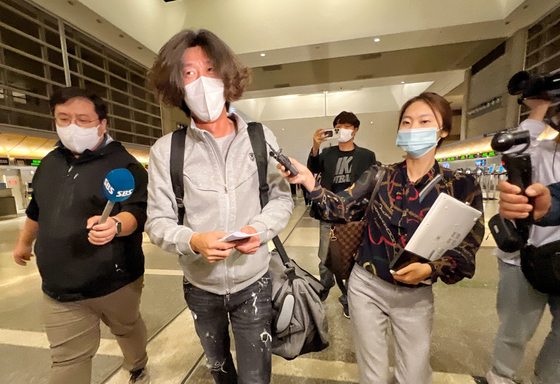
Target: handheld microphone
point(282, 159)
point(117, 186)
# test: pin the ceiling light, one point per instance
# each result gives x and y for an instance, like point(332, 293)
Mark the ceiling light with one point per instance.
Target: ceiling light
point(263, 54)
point(377, 39)
point(402, 82)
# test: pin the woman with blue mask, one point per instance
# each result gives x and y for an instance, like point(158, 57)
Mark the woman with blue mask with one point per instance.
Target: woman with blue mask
point(378, 297)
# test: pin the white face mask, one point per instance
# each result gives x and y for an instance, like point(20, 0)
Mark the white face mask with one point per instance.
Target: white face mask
point(205, 98)
point(345, 135)
point(78, 139)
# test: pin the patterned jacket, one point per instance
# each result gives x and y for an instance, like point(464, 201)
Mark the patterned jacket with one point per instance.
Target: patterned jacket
point(398, 211)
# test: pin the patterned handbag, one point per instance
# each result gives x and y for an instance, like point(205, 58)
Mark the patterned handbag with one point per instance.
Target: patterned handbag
point(346, 238)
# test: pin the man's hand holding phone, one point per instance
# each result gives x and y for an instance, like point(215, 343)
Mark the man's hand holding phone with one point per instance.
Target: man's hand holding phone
point(321, 135)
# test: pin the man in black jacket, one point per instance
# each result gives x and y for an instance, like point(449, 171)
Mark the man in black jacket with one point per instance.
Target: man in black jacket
point(339, 166)
point(90, 271)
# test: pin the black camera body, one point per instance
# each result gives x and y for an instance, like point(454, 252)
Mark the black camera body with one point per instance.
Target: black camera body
point(546, 87)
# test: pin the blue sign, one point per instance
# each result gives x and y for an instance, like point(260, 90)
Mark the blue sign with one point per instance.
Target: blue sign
point(118, 185)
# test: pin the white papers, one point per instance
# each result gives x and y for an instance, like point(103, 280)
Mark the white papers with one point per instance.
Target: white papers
point(238, 236)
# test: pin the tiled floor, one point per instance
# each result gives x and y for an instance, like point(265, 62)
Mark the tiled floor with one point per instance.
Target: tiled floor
point(465, 322)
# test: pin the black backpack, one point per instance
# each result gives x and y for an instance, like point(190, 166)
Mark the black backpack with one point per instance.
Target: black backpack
point(299, 323)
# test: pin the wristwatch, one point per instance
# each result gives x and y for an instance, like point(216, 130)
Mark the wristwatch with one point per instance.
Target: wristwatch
point(119, 226)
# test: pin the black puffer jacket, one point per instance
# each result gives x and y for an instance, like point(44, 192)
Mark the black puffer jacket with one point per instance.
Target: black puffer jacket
point(67, 191)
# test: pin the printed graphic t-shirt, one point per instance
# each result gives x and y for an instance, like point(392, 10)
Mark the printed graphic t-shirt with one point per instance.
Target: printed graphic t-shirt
point(343, 171)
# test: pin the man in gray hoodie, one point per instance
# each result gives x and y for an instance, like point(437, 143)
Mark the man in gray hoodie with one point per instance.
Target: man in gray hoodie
point(223, 280)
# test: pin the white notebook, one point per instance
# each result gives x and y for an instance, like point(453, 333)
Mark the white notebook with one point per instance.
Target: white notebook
point(445, 226)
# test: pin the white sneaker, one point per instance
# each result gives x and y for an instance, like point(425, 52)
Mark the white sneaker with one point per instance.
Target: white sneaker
point(493, 378)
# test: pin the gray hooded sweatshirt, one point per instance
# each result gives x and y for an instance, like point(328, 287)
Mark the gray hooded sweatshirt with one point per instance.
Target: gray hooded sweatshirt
point(220, 195)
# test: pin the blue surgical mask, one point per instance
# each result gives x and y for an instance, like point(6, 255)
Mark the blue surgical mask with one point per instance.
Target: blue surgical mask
point(417, 141)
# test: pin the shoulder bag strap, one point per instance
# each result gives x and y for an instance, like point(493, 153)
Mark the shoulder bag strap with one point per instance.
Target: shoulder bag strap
point(256, 135)
point(381, 170)
point(176, 160)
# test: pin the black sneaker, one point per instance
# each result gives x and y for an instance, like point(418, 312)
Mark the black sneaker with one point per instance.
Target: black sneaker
point(139, 376)
point(346, 311)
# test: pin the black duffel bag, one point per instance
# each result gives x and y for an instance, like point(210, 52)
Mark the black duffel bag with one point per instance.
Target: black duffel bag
point(541, 267)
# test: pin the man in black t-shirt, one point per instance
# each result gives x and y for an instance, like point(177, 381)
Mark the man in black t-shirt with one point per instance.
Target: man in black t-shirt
point(340, 166)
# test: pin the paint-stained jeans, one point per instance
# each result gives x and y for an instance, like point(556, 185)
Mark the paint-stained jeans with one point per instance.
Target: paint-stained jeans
point(250, 311)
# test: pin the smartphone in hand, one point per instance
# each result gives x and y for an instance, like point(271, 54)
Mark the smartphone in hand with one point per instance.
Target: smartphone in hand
point(333, 133)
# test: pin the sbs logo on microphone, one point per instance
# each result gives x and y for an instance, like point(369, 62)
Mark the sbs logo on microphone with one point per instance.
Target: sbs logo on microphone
point(124, 193)
point(108, 186)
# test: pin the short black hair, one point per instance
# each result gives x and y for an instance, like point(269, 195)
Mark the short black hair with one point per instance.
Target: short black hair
point(62, 95)
point(346, 118)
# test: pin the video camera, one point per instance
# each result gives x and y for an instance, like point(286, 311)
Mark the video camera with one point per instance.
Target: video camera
point(511, 236)
point(546, 87)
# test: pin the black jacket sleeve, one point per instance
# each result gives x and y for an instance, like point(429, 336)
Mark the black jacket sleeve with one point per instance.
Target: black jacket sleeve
point(32, 210)
point(314, 163)
point(136, 204)
point(552, 218)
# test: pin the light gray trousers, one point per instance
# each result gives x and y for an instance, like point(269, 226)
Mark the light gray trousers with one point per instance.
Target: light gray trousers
point(374, 306)
point(520, 309)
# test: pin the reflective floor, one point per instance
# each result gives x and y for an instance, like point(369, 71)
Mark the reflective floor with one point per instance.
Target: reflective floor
point(464, 328)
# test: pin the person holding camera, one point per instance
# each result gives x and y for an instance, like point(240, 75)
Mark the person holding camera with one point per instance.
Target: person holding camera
point(520, 306)
point(339, 166)
point(379, 298)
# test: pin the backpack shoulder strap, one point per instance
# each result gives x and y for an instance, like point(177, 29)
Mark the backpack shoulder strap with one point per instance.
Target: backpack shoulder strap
point(258, 143)
point(176, 160)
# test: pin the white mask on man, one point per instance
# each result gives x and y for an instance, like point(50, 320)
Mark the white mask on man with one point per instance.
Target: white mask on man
point(345, 135)
point(78, 139)
point(205, 98)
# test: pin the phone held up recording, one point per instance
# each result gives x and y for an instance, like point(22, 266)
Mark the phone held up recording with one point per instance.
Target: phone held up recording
point(333, 133)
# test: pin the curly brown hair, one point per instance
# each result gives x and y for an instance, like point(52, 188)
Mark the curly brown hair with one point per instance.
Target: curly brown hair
point(166, 75)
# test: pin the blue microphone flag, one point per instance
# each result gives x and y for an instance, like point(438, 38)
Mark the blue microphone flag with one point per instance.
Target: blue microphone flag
point(118, 185)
